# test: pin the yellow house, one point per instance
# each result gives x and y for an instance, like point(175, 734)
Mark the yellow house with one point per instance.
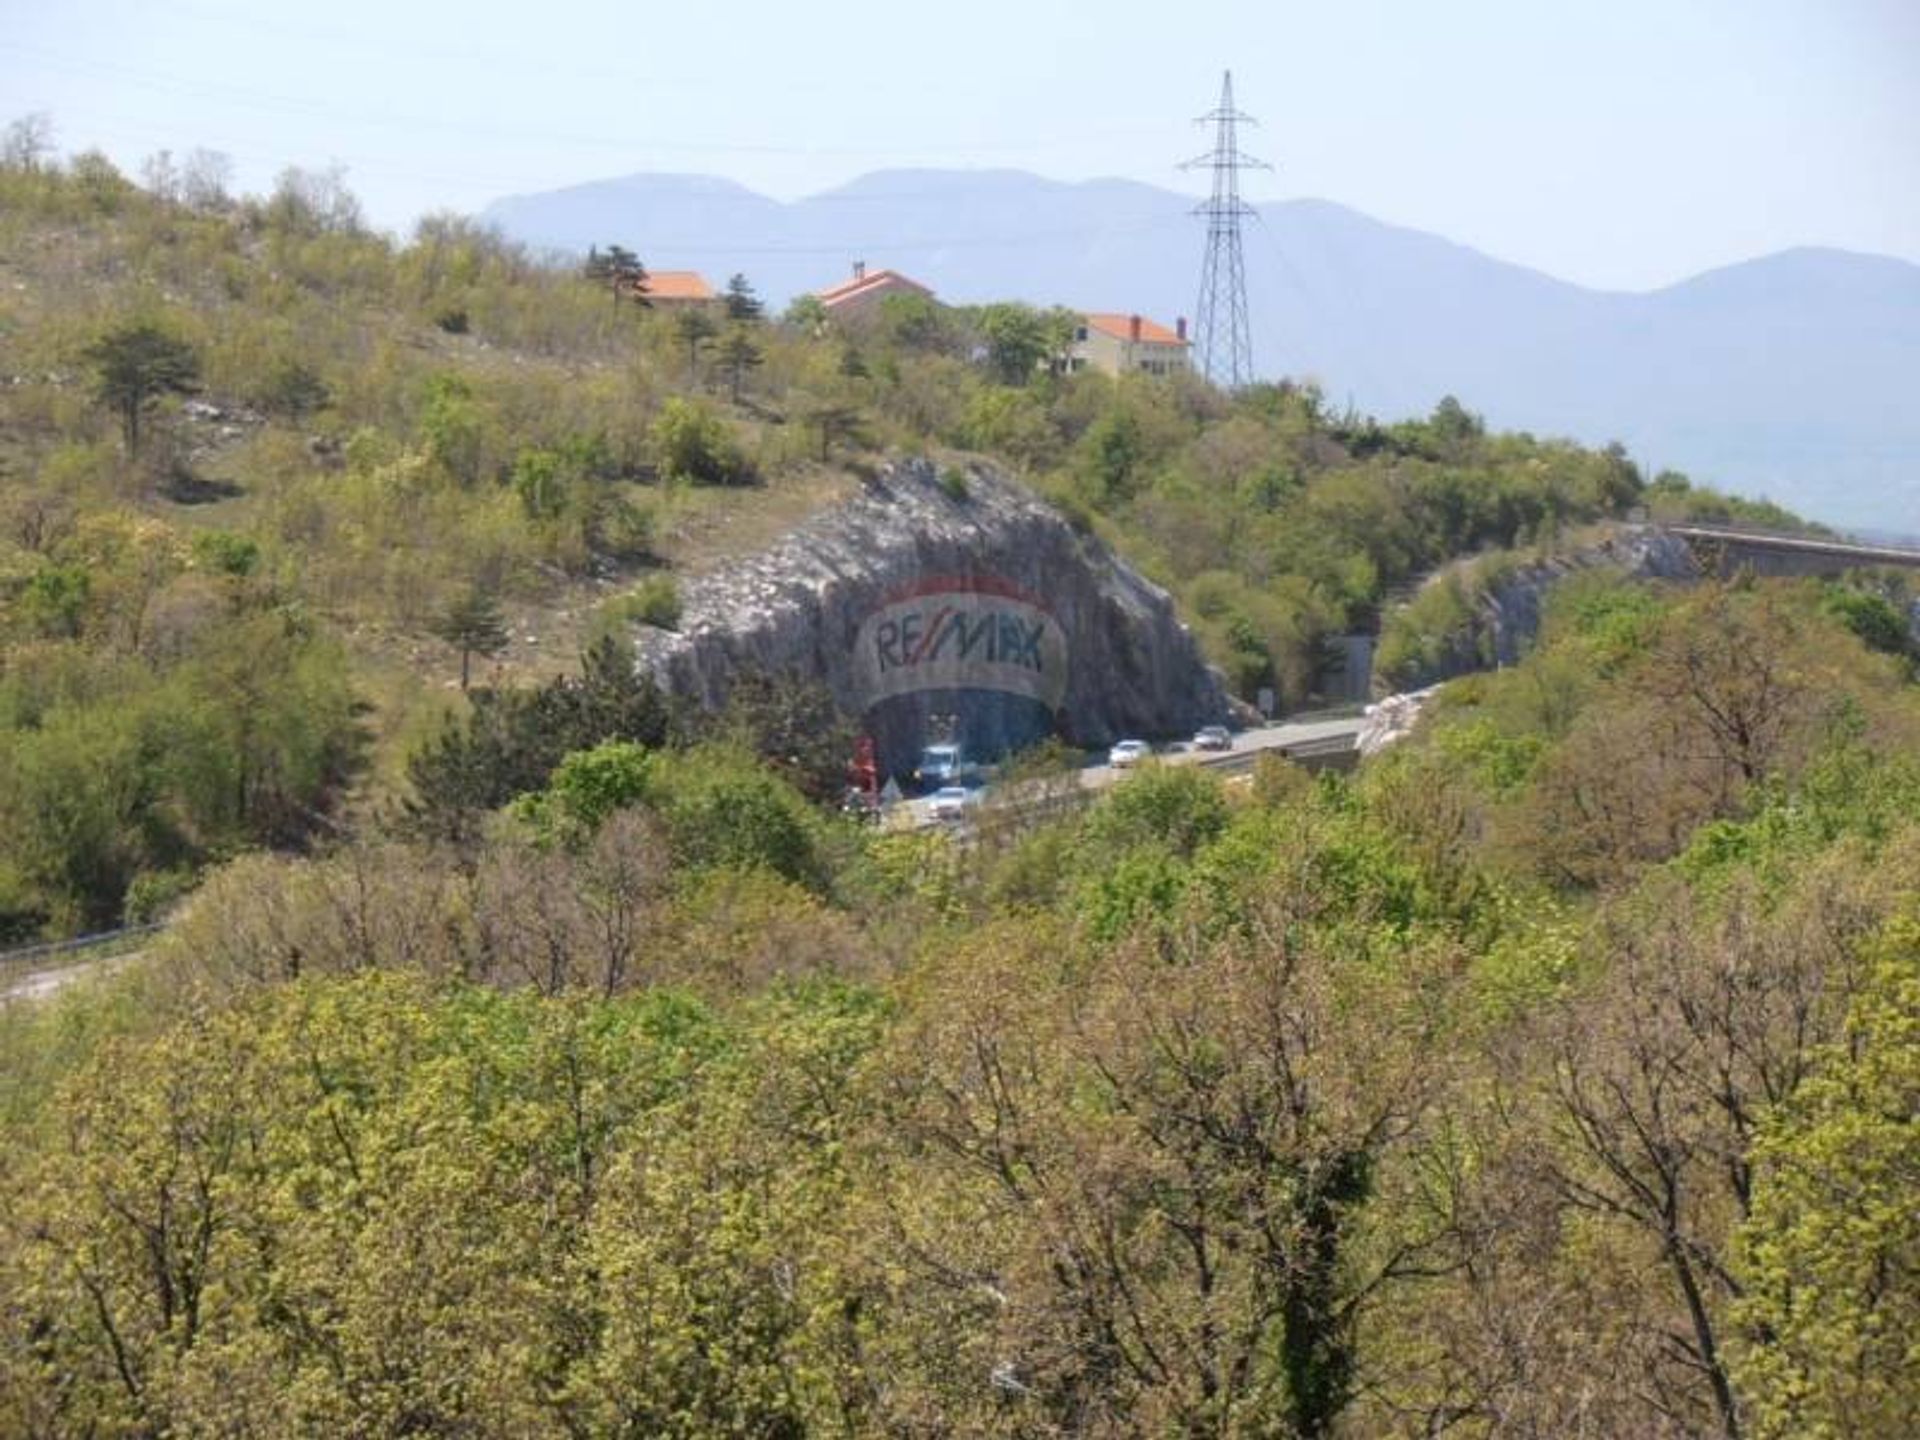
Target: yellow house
point(1124, 344)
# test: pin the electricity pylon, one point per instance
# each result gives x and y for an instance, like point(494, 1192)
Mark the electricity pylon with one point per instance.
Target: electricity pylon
point(1222, 337)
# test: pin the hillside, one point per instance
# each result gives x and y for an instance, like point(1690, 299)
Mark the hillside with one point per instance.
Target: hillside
point(661, 1104)
point(242, 598)
point(1788, 376)
point(555, 1056)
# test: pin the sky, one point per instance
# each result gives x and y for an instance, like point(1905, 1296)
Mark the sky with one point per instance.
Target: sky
point(1621, 144)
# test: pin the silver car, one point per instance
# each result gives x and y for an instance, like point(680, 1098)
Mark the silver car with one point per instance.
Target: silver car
point(949, 802)
point(1128, 753)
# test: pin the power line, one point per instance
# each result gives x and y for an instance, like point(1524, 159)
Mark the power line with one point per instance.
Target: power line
point(1222, 334)
point(296, 107)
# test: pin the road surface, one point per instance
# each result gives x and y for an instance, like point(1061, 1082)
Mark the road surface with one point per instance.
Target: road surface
point(1303, 736)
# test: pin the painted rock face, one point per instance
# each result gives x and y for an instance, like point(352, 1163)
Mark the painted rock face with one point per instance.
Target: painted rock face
point(961, 633)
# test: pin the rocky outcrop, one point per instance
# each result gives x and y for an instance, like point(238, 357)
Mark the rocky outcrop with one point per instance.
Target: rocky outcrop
point(1391, 719)
point(884, 595)
point(1506, 601)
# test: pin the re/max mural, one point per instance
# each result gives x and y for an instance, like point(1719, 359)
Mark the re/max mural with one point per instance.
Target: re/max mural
point(973, 660)
point(961, 633)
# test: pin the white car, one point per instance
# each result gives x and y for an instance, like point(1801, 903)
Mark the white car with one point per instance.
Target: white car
point(949, 802)
point(1212, 737)
point(1128, 753)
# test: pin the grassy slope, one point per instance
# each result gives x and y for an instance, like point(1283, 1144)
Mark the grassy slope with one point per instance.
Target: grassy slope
point(545, 358)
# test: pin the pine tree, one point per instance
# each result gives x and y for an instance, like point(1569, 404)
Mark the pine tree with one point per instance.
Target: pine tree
point(474, 626)
point(696, 327)
point(135, 365)
point(835, 423)
point(738, 354)
point(619, 269)
point(743, 306)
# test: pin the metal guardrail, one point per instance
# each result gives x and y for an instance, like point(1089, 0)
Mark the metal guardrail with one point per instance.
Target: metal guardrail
point(53, 949)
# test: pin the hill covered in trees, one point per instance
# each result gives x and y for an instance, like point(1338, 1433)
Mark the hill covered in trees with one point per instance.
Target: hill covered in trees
point(277, 489)
point(1553, 1075)
point(538, 1057)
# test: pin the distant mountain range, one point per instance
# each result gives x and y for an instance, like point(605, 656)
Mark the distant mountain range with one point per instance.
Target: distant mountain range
point(1795, 376)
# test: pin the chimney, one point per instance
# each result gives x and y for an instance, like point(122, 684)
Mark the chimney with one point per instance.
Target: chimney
point(859, 269)
point(1133, 328)
point(1180, 327)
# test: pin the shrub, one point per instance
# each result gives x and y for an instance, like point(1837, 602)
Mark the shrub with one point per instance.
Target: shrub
point(225, 553)
point(693, 444)
point(153, 893)
point(656, 601)
point(292, 389)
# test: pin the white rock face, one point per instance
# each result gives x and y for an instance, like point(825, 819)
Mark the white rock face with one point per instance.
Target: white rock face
point(798, 607)
point(1390, 720)
point(1508, 612)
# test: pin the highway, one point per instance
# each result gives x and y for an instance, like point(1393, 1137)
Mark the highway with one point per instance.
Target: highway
point(1302, 739)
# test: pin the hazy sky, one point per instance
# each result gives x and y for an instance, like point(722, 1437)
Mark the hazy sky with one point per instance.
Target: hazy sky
point(1619, 143)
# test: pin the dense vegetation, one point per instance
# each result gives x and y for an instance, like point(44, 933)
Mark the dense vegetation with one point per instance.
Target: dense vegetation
point(276, 492)
point(540, 1058)
point(1552, 1075)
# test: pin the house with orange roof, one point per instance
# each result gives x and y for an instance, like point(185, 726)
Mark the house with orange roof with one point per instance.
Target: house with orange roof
point(1126, 344)
point(865, 290)
point(679, 290)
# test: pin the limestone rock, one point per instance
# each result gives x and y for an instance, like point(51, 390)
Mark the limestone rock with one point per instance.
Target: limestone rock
point(1507, 610)
point(1129, 666)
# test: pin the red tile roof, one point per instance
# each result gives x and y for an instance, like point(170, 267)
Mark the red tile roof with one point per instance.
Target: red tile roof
point(859, 284)
point(677, 285)
point(1120, 327)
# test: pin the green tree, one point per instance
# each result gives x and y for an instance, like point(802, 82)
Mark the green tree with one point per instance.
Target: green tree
point(806, 314)
point(796, 727)
point(454, 427)
point(620, 270)
point(54, 602)
point(134, 365)
point(1115, 451)
point(473, 625)
point(510, 741)
point(590, 785)
point(540, 480)
point(738, 355)
point(743, 306)
point(293, 389)
point(834, 424)
point(723, 808)
point(1831, 1250)
point(692, 443)
point(1018, 339)
point(695, 327)
point(1873, 617)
